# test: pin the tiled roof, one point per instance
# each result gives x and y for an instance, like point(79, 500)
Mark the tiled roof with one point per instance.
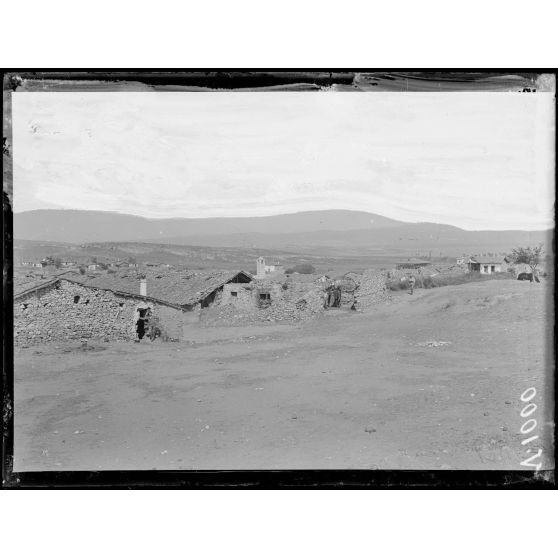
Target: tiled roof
point(487, 259)
point(21, 287)
point(29, 282)
point(178, 288)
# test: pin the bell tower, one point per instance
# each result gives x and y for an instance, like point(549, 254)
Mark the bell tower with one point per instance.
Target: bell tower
point(260, 267)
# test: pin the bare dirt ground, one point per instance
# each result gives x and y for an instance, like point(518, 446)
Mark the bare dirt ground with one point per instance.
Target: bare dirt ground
point(348, 390)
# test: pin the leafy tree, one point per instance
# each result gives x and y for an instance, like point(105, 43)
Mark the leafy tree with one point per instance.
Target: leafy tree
point(529, 256)
point(82, 269)
point(57, 262)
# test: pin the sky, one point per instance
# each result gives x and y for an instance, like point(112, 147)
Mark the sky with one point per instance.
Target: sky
point(473, 160)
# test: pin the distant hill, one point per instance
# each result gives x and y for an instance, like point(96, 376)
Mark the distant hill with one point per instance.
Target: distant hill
point(313, 232)
point(406, 238)
point(99, 226)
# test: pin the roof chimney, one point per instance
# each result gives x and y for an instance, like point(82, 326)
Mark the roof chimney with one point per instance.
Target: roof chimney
point(143, 286)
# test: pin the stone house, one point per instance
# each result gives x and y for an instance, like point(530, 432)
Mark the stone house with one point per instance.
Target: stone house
point(63, 309)
point(297, 294)
point(114, 306)
point(273, 297)
point(297, 297)
point(289, 298)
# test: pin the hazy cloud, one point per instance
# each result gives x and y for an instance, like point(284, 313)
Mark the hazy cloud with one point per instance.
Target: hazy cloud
point(476, 160)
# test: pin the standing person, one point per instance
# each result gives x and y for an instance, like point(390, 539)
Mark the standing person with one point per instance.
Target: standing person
point(412, 283)
point(140, 328)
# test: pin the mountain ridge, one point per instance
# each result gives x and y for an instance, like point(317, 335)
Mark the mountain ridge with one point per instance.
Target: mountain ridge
point(337, 229)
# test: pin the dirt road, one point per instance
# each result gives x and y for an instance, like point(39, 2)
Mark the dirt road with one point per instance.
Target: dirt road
point(430, 381)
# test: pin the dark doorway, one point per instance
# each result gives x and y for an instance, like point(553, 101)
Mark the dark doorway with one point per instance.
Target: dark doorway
point(142, 322)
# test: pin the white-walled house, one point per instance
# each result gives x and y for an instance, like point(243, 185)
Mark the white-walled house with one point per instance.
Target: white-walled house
point(486, 265)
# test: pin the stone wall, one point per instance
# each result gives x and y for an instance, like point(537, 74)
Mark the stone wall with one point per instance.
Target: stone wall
point(372, 289)
point(311, 296)
point(239, 295)
point(171, 319)
point(68, 311)
point(289, 301)
point(293, 301)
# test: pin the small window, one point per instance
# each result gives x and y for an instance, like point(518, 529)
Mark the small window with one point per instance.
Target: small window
point(265, 296)
point(76, 299)
point(233, 293)
point(121, 304)
point(24, 306)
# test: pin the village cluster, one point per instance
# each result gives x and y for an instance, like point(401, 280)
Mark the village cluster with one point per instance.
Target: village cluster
point(149, 301)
